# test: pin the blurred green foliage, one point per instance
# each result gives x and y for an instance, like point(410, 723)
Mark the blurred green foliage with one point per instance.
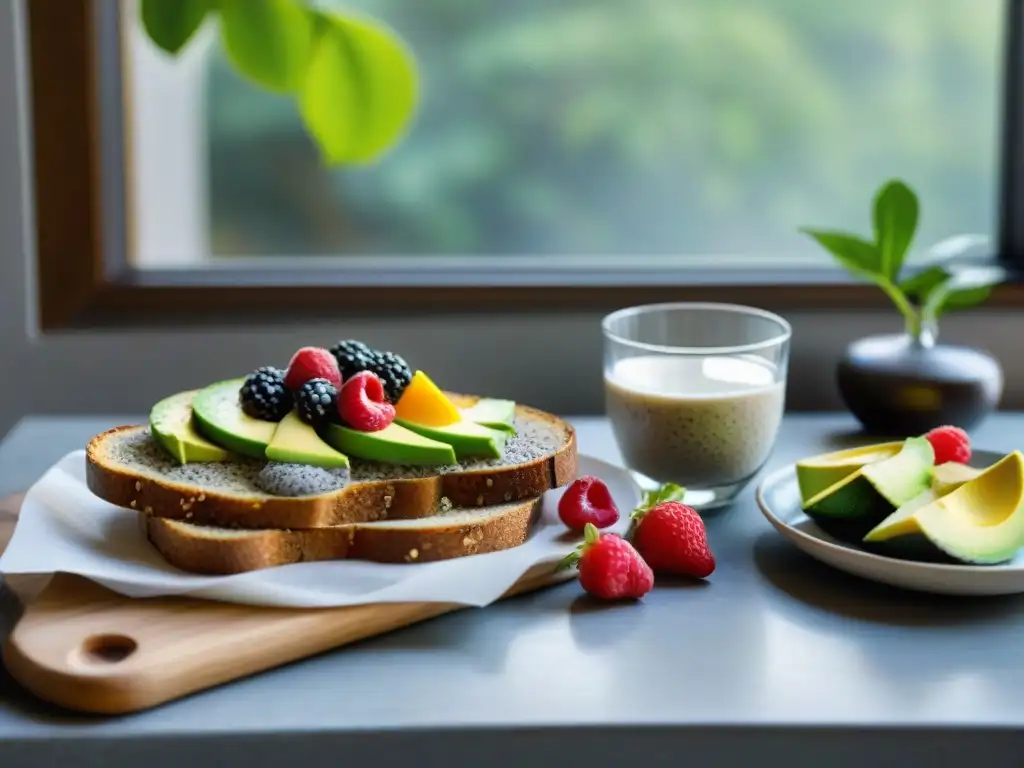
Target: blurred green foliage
point(615, 127)
point(353, 80)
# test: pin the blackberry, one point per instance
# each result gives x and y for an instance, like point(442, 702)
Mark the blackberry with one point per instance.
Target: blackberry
point(317, 402)
point(393, 371)
point(264, 396)
point(352, 356)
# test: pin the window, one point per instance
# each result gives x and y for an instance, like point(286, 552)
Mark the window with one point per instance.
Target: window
point(582, 144)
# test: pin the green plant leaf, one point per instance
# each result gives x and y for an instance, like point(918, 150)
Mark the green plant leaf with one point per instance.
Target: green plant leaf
point(269, 41)
point(965, 288)
point(171, 23)
point(896, 212)
point(360, 90)
point(854, 253)
point(919, 285)
point(945, 259)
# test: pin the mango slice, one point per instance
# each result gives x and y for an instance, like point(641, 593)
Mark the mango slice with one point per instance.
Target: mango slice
point(423, 402)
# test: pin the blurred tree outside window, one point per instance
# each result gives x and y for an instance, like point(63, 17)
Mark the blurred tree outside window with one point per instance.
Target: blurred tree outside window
point(604, 128)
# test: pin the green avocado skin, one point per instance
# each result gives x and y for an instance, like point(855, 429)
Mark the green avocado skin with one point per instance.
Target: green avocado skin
point(848, 516)
point(468, 439)
point(392, 445)
point(914, 546)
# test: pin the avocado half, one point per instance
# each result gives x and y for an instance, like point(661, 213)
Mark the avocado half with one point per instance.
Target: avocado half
point(816, 473)
point(980, 522)
point(853, 506)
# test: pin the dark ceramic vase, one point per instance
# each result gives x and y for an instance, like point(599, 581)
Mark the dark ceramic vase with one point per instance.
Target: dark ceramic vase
point(903, 385)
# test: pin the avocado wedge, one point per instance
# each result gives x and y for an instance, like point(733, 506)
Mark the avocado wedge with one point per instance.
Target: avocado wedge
point(951, 475)
point(170, 421)
point(816, 473)
point(467, 438)
point(296, 442)
point(979, 523)
point(853, 506)
point(392, 445)
point(219, 418)
point(492, 413)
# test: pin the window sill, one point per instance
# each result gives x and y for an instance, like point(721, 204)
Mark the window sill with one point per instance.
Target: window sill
point(234, 296)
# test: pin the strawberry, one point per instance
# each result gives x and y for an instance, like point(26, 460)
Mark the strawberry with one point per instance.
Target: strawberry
point(587, 500)
point(312, 363)
point(609, 567)
point(670, 536)
point(950, 444)
point(362, 404)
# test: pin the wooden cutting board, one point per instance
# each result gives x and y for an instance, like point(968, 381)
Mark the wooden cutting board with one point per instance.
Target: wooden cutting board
point(82, 646)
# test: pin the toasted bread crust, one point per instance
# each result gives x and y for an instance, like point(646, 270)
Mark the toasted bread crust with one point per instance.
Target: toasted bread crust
point(356, 503)
point(255, 550)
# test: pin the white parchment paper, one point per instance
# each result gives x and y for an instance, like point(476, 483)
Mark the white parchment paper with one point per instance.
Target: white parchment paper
point(64, 528)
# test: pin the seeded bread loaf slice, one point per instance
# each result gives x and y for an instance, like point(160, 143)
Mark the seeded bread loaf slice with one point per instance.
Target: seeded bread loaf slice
point(127, 467)
point(448, 534)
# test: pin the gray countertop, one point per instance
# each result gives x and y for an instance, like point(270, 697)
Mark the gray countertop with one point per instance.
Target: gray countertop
point(777, 656)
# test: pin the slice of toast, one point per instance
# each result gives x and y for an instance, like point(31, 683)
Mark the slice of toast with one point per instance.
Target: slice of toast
point(448, 534)
point(127, 467)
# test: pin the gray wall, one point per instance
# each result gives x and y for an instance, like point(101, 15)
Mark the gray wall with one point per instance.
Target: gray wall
point(551, 361)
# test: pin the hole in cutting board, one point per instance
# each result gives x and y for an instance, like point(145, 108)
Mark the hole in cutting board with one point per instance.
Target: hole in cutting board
point(107, 649)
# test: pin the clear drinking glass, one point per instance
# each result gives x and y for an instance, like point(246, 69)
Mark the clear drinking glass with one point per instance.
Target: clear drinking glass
point(695, 394)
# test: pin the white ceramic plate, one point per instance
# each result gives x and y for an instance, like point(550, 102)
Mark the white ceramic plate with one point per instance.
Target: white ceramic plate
point(779, 499)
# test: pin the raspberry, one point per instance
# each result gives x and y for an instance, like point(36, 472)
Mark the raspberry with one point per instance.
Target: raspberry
point(950, 444)
point(587, 500)
point(609, 566)
point(363, 405)
point(355, 356)
point(671, 537)
point(315, 402)
point(312, 363)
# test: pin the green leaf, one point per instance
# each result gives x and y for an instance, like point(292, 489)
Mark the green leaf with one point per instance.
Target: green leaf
point(854, 253)
point(360, 90)
point(919, 285)
point(966, 298)
point(963, 289)
point(944, 260)
point(568, 561)
point(651, 499)
point(171, 23)
point(269, 41)
point(896, 213)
